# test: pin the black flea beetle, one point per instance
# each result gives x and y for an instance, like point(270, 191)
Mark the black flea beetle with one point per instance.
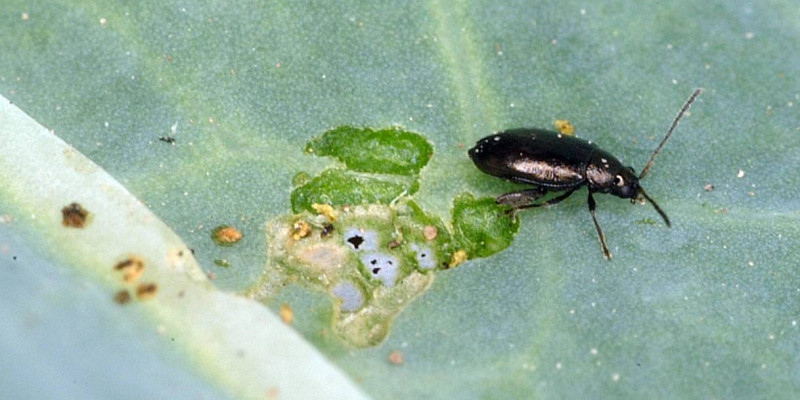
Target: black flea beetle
point(550, 161)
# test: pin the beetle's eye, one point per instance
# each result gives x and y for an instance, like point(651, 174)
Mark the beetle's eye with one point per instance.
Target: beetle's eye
point(619, 181)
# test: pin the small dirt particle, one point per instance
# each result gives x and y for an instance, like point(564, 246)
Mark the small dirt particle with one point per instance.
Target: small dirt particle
point(430, 232)
point(300, 229)
point(326, 231)
point(74, 216)
point(396, 357)
point(122, 297)
point(286, 313)
point(132, 268)
point(225, 235)
point(221, 262)
point(146, 291)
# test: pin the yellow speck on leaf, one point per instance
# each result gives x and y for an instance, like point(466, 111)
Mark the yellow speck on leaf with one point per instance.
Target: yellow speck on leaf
point(300, 230)
point(226, 235)
point(326, 210)
point(286, 313)
point(565, 127)
point(458, 257)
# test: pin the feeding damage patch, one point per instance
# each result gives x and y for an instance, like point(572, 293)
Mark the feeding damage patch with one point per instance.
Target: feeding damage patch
point(356, 233)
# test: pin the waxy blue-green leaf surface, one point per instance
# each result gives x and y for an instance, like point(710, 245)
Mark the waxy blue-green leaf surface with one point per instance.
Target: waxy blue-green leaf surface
point(706, 309)
point(66, 337)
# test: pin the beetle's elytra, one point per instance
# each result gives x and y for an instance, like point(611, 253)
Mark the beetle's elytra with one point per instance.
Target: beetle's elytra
point(552, 162)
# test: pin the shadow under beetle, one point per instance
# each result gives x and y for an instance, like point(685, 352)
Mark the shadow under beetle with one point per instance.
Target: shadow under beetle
point(550, 161)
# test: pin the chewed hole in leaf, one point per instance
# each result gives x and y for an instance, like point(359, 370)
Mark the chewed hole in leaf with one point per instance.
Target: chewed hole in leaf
point(425, 256)
point(373, 259)
point(356, 241)
point(361, 239)
point(382, 266)
point(358, 236)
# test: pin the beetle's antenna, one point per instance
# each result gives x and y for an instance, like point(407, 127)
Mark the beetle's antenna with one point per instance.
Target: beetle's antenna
point(660, 211)
point(669, 133)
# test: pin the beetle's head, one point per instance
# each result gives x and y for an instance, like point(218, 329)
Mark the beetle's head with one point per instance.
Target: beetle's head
point(626, 184)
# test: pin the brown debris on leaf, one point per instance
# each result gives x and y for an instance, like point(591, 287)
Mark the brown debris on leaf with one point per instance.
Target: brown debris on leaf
point(74, 216)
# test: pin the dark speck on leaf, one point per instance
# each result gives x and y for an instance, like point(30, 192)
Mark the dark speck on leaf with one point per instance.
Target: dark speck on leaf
point(74, 216)
point(327, 230)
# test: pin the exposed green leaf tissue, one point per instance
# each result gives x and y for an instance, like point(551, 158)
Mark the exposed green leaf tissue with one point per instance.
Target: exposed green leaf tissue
point(483, 227)
point(362, 239)
point(339, 187)
point(385, 151)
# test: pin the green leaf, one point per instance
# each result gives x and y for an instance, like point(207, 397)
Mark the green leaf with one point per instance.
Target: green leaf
point(385, 151)
point(139, 269)
point(484, 228)
point(705, 309)
point(340, 187)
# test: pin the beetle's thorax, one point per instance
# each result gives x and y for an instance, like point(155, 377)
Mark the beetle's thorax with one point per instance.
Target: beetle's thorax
point(606, 174)
point(599, 178)
point(601, 168)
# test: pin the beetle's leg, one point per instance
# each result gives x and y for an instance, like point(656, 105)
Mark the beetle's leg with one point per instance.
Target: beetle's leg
point(521, 198)
point(531, 204)
point(600, 235)
point(554, 200)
